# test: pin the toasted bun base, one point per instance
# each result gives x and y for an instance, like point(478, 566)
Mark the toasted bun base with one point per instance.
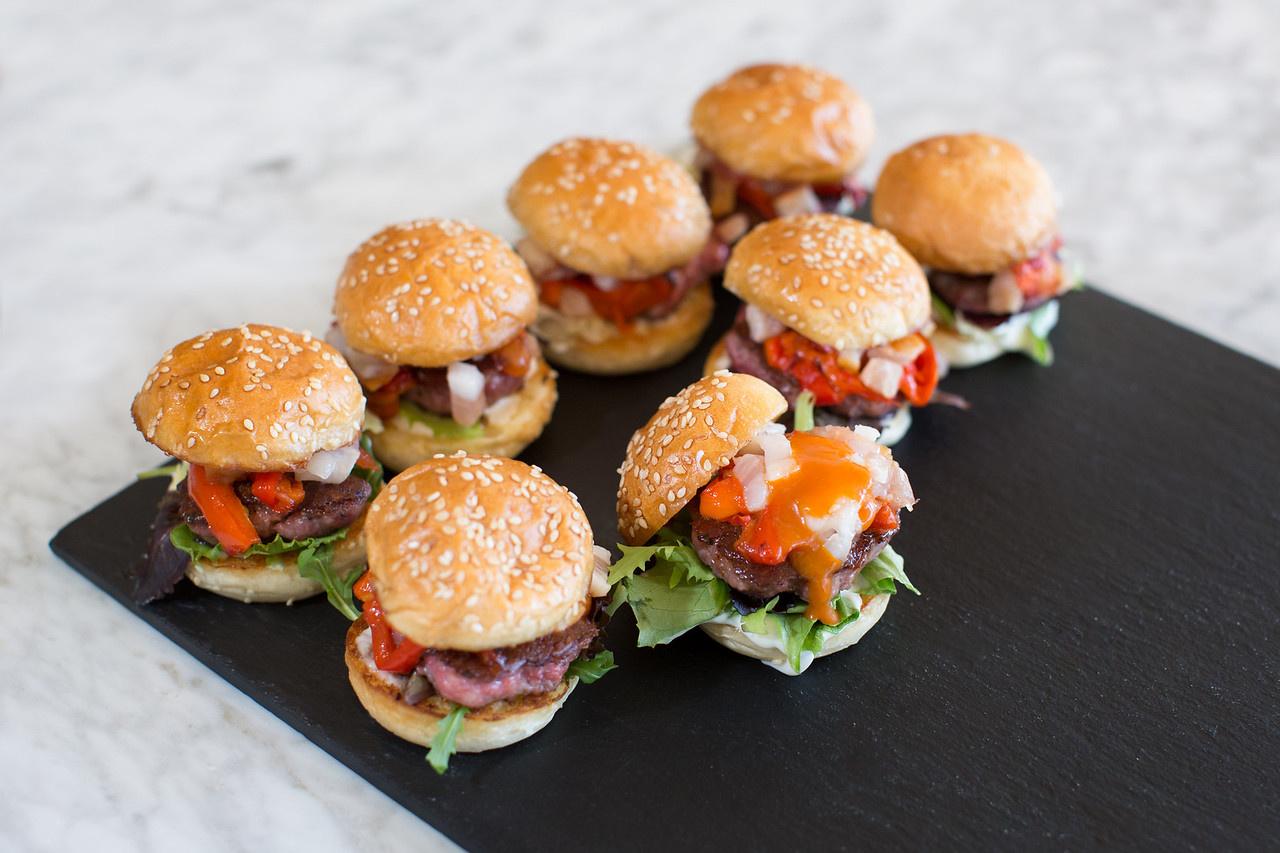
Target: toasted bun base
point(256, 580)
point(399, 447)
point(593, 345)
point(737, 640)
point(493, 726)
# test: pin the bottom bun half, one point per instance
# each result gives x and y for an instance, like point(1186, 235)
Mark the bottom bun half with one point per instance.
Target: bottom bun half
point(768, 649)
point(274, 580)
point(511, 426)
point(594, 345)
point(492, 726)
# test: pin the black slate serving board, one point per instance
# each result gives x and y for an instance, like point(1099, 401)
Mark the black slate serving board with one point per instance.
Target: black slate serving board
point(1093, 661)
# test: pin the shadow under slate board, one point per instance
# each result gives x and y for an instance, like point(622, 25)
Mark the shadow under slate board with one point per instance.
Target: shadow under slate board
point(1092, 662)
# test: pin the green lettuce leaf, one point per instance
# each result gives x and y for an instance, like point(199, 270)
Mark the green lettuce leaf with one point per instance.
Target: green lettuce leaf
point(804, 411)
point(1025, 333)
point(185, 539)
point(315, 562)
point(442, 745)
point(372, 476)
point(176, 472)
point(592, 669)
point(438, 424)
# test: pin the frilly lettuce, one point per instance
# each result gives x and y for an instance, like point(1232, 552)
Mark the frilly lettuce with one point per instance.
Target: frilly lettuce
point(440, 425)
point(678, 593)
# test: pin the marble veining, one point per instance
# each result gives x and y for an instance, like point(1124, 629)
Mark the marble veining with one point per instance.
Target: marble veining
point(167, 168)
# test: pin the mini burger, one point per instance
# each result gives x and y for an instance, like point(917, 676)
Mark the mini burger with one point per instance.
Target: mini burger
point(981, 216)
point(776, 544)
point(780, 140)
point(268, 496)
point(620, 242)
point(482, 605)
point(432, 316)
point(836, 308)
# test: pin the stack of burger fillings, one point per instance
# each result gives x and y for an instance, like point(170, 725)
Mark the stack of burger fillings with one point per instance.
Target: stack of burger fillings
point(268, 496)
point(481, 607)
point(775, 544)
point(779, 140)
point(837, 308)
point(432, 315)
point(620, 242)
point(981, 215)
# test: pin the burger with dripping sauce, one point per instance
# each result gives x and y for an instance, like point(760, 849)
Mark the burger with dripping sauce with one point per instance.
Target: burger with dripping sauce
point(776, 544)
point(481, 608)
point(267, 499)
point(432, 316)
point(620, 242)
point(836, 308)
point(779, 140)
point(981, 215)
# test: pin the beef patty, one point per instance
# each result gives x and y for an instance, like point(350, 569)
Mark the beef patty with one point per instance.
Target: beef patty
point(327, 507)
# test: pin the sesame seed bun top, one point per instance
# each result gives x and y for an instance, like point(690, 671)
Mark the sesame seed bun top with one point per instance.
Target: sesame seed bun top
point(834, 280)
point(692, 436)
point(433, 291)
point(255, 398)
point(611, 208)
point(478, 552)
point(784, 122)
point(966, 203)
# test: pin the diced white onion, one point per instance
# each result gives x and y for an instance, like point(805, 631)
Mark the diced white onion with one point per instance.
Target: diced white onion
point(574, 303)
point(330, 466)
point(838, 528)
point(733, 227)
point(753, 446)
point(882, 376)
point(850, 358)
point(466, 392)
point(1003, 294)
point(605, 282)
point(797, 201)
point(761, 326)
point(778, 461)
point(373, 371)
point(600, 572)
point(749, 469)
point(539, 262)
point(903, 350)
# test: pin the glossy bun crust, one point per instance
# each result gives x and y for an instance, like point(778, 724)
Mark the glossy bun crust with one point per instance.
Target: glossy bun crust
point(966, 203)
point(834, 280)
point(785, 122)
point(433, 291)
point(692, 436)
point(478, 552)
point(253, 398)
point(611, 208)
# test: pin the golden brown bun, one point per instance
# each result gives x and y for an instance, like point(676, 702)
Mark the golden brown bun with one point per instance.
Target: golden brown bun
point(478, 552)
point(509, 429)
point(254, 398)
point(261, 580)
point(744, 643)
point(784, 122)
point(692, 436)
point(433, 291)
point(966, 203)
point(492, 726)
point(611, 208)
point(834, 280)
point(718, 358)
point(594, 345)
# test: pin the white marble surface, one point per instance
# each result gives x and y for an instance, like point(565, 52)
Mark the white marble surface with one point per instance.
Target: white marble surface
point(171, 166)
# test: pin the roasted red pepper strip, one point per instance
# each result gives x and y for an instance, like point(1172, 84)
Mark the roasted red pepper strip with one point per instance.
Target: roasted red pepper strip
point(816, 367)
point(279, 491)
point(619, 305)
point(920, 377)
point(221, 507)
point(389, 655)
point(385, 402)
